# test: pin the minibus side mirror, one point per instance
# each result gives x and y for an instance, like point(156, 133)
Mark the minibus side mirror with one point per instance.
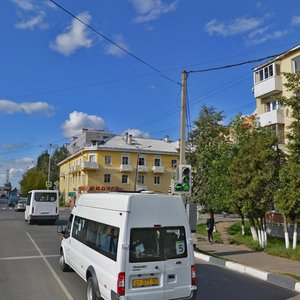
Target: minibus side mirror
point(61, 229)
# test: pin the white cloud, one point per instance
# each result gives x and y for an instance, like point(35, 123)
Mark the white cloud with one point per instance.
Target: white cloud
point(25, 160)
point(137, 133)
point(149, 10)
point(24, 4)
point(266, 37)
point(33, 22)
point(11, 146)
point(78, 120)
point(237, 26)
point(10, 107)
point(75, 37)
point(114, 50)
point(295, 20)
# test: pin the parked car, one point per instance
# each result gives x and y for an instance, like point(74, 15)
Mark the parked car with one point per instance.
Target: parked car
point(12, 200)
point(21, 205)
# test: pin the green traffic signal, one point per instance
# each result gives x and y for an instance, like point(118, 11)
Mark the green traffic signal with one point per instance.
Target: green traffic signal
point(186, 187)
point(178, 187)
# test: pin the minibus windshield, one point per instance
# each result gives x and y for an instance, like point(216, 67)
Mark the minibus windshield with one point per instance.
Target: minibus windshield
point(157, 244)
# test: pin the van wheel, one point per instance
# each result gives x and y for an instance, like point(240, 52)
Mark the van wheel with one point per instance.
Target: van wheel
point(90, 290)
point(62, 263)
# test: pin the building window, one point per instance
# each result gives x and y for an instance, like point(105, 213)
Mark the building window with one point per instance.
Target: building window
point(107, 178)
point(141, 179)
point(157, 162)
point(296, 63)
point(156, 179)
point(92, 158)
point(125, 160)
point(142, 161)
point(108, 160)
point(174, 163)
point(264, 73)
point(124, 178)
point(272, 105)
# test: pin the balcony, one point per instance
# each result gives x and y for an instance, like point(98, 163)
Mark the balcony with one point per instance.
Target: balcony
point(74, 169)
point(267, 87)
point(89, 165)
point(143, 169)
point(271, 117)
point(126, 168)
point(158, 169)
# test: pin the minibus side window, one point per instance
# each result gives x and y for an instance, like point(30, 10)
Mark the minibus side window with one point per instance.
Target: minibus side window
point(79, 229)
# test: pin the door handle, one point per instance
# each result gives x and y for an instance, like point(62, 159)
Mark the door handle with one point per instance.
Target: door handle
point(178, 262)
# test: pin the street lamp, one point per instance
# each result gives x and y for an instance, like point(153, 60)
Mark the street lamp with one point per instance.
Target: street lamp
point(137, 162)
point(49, 163)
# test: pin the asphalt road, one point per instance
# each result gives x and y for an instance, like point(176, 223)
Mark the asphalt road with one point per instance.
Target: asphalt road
point(29, 268)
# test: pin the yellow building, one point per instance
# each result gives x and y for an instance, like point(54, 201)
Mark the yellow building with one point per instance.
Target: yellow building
point(101, 162)
point(269, 84)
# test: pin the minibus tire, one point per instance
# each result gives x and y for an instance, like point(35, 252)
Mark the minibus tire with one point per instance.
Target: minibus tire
point(62, 263)
point(90, 290)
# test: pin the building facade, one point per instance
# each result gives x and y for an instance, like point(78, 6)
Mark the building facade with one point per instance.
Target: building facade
point(101, 162)
point(269, 84)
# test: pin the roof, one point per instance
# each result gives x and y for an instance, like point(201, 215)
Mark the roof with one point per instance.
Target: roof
point(280, 56)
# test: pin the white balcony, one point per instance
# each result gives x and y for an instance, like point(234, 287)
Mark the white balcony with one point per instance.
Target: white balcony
point(143, 169)
point(271, 117)
point(269, 86)
point(158, 169)
point(90, 165)
point(126, 168)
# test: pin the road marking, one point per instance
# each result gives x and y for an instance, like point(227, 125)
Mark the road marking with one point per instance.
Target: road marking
point(27, 257)
point(67, 293)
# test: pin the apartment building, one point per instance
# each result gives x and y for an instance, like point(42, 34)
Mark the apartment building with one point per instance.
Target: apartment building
point(102, 162)
point(269, 84)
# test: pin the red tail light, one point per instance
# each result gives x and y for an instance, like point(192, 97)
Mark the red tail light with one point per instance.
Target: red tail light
point(32, 210)
point(194, 277)
point(121, 284)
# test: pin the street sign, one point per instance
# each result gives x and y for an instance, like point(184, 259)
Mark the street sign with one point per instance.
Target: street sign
point(56, 183)
point(48, 184)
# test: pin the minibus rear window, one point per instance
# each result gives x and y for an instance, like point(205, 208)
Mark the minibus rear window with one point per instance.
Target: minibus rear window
point(45, 197)
point(157, 244)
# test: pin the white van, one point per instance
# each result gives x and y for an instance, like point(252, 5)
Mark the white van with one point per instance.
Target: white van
point(130, 246)
point(42, 205)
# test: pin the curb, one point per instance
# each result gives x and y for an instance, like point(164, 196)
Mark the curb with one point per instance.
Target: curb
point(276, 279)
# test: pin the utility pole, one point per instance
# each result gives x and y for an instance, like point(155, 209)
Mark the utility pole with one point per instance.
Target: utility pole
point(183, 118)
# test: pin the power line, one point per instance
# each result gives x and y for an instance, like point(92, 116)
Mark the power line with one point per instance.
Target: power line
point(114, 43)
point(236, 65)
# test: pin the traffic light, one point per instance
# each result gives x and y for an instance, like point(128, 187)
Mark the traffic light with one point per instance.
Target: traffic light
point(182, 185)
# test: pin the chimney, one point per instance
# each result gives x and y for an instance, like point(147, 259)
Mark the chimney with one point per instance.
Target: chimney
point(167, 139)
point(130, 139)
point(74, 138)
point(126, 137)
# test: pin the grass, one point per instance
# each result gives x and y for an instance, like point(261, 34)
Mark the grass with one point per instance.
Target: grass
point(201, 229)
point(275, 246)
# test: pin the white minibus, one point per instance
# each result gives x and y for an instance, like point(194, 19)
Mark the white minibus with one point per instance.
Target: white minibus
point(42, 205)
point(130, 246)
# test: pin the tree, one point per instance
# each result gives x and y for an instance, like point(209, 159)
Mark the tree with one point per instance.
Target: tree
point(32, 180)
point(208, 157)
point(254, 175)
point(36, 177)
point(287, 198)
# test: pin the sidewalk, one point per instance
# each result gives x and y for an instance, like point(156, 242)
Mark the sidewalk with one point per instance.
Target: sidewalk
point(257, 264)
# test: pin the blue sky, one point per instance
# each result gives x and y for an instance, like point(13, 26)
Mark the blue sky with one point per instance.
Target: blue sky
point(58, 76)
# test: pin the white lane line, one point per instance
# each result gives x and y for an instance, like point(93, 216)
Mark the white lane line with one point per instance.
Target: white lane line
point(26, 257)
point(69, 296)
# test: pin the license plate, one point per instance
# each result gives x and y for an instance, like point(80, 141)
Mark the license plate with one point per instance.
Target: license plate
point(145, 282)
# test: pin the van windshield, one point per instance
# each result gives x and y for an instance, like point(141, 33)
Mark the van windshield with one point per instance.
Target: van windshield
point(45, 197)
point(157, 244)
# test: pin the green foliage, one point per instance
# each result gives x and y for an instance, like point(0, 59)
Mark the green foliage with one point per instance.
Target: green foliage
point(36, 178)
point(209, 157)
point(32, 180)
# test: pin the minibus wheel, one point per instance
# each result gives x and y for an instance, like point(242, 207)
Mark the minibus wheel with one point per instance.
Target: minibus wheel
point(62, 263)
point(90, 290)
